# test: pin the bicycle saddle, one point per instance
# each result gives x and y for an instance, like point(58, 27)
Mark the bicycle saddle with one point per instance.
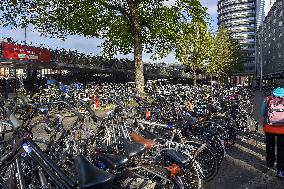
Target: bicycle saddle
point(141, 140)
point(113, 161)
point(176, 156)
point(91, 177)
point(152, 136)
point(131, 149)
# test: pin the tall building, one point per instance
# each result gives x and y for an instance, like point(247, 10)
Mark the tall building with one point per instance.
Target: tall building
point(262, 9)
point(270, 43)
point(239, 17)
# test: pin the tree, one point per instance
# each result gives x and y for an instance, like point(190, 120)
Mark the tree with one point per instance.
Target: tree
point(126, 25)
point(193, 47)
point(238, 57)
point(224, 55)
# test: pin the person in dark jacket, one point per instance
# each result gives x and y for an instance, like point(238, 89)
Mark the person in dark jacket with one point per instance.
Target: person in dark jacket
point(271, 133)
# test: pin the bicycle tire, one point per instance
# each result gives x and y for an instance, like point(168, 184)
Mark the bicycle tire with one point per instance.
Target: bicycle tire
point(207, 158)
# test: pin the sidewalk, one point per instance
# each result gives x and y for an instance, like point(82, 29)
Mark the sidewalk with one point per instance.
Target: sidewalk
point(244, 167)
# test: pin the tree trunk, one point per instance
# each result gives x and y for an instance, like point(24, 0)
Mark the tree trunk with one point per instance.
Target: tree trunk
point(139, 76)
point(194, 79)
point(138, 49)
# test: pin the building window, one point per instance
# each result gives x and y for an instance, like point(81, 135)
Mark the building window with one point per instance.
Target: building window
point(281, 13)
point(280, 23)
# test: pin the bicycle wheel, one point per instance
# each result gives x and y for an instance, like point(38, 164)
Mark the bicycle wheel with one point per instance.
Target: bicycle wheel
point(206, 156)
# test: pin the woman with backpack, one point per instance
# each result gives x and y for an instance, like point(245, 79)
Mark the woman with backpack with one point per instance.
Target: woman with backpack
point(273, 127)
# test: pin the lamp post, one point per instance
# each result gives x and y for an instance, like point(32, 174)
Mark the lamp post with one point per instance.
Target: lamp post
point(25, 35)
point(255, 60)
point(261, 61)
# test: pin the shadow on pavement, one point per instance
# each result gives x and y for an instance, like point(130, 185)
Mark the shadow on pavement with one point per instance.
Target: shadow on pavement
point(241, 165)
point(247, 153)
point(257, 149)
point(232, 175)
point(244, 167)
point(252, 135)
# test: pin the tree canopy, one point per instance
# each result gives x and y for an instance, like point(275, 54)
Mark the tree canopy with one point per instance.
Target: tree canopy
point(225, 54)
point(193, 49)
point(127, 26)
point(194, 46)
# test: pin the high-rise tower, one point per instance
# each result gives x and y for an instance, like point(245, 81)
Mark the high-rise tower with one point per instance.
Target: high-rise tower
point(239, 17)
point(262, 9)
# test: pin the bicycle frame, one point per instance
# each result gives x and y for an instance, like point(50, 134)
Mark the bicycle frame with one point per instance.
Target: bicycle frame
point(58, 177)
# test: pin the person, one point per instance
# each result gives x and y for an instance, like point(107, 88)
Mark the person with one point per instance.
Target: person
point(273, 127)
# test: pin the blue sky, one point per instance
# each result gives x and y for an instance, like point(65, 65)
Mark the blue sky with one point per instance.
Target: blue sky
point(85, 45)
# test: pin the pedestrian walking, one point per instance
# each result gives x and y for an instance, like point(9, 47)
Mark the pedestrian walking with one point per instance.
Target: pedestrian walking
point(273, 126)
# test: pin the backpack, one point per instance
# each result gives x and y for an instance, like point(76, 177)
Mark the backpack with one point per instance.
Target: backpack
point(275, 110)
